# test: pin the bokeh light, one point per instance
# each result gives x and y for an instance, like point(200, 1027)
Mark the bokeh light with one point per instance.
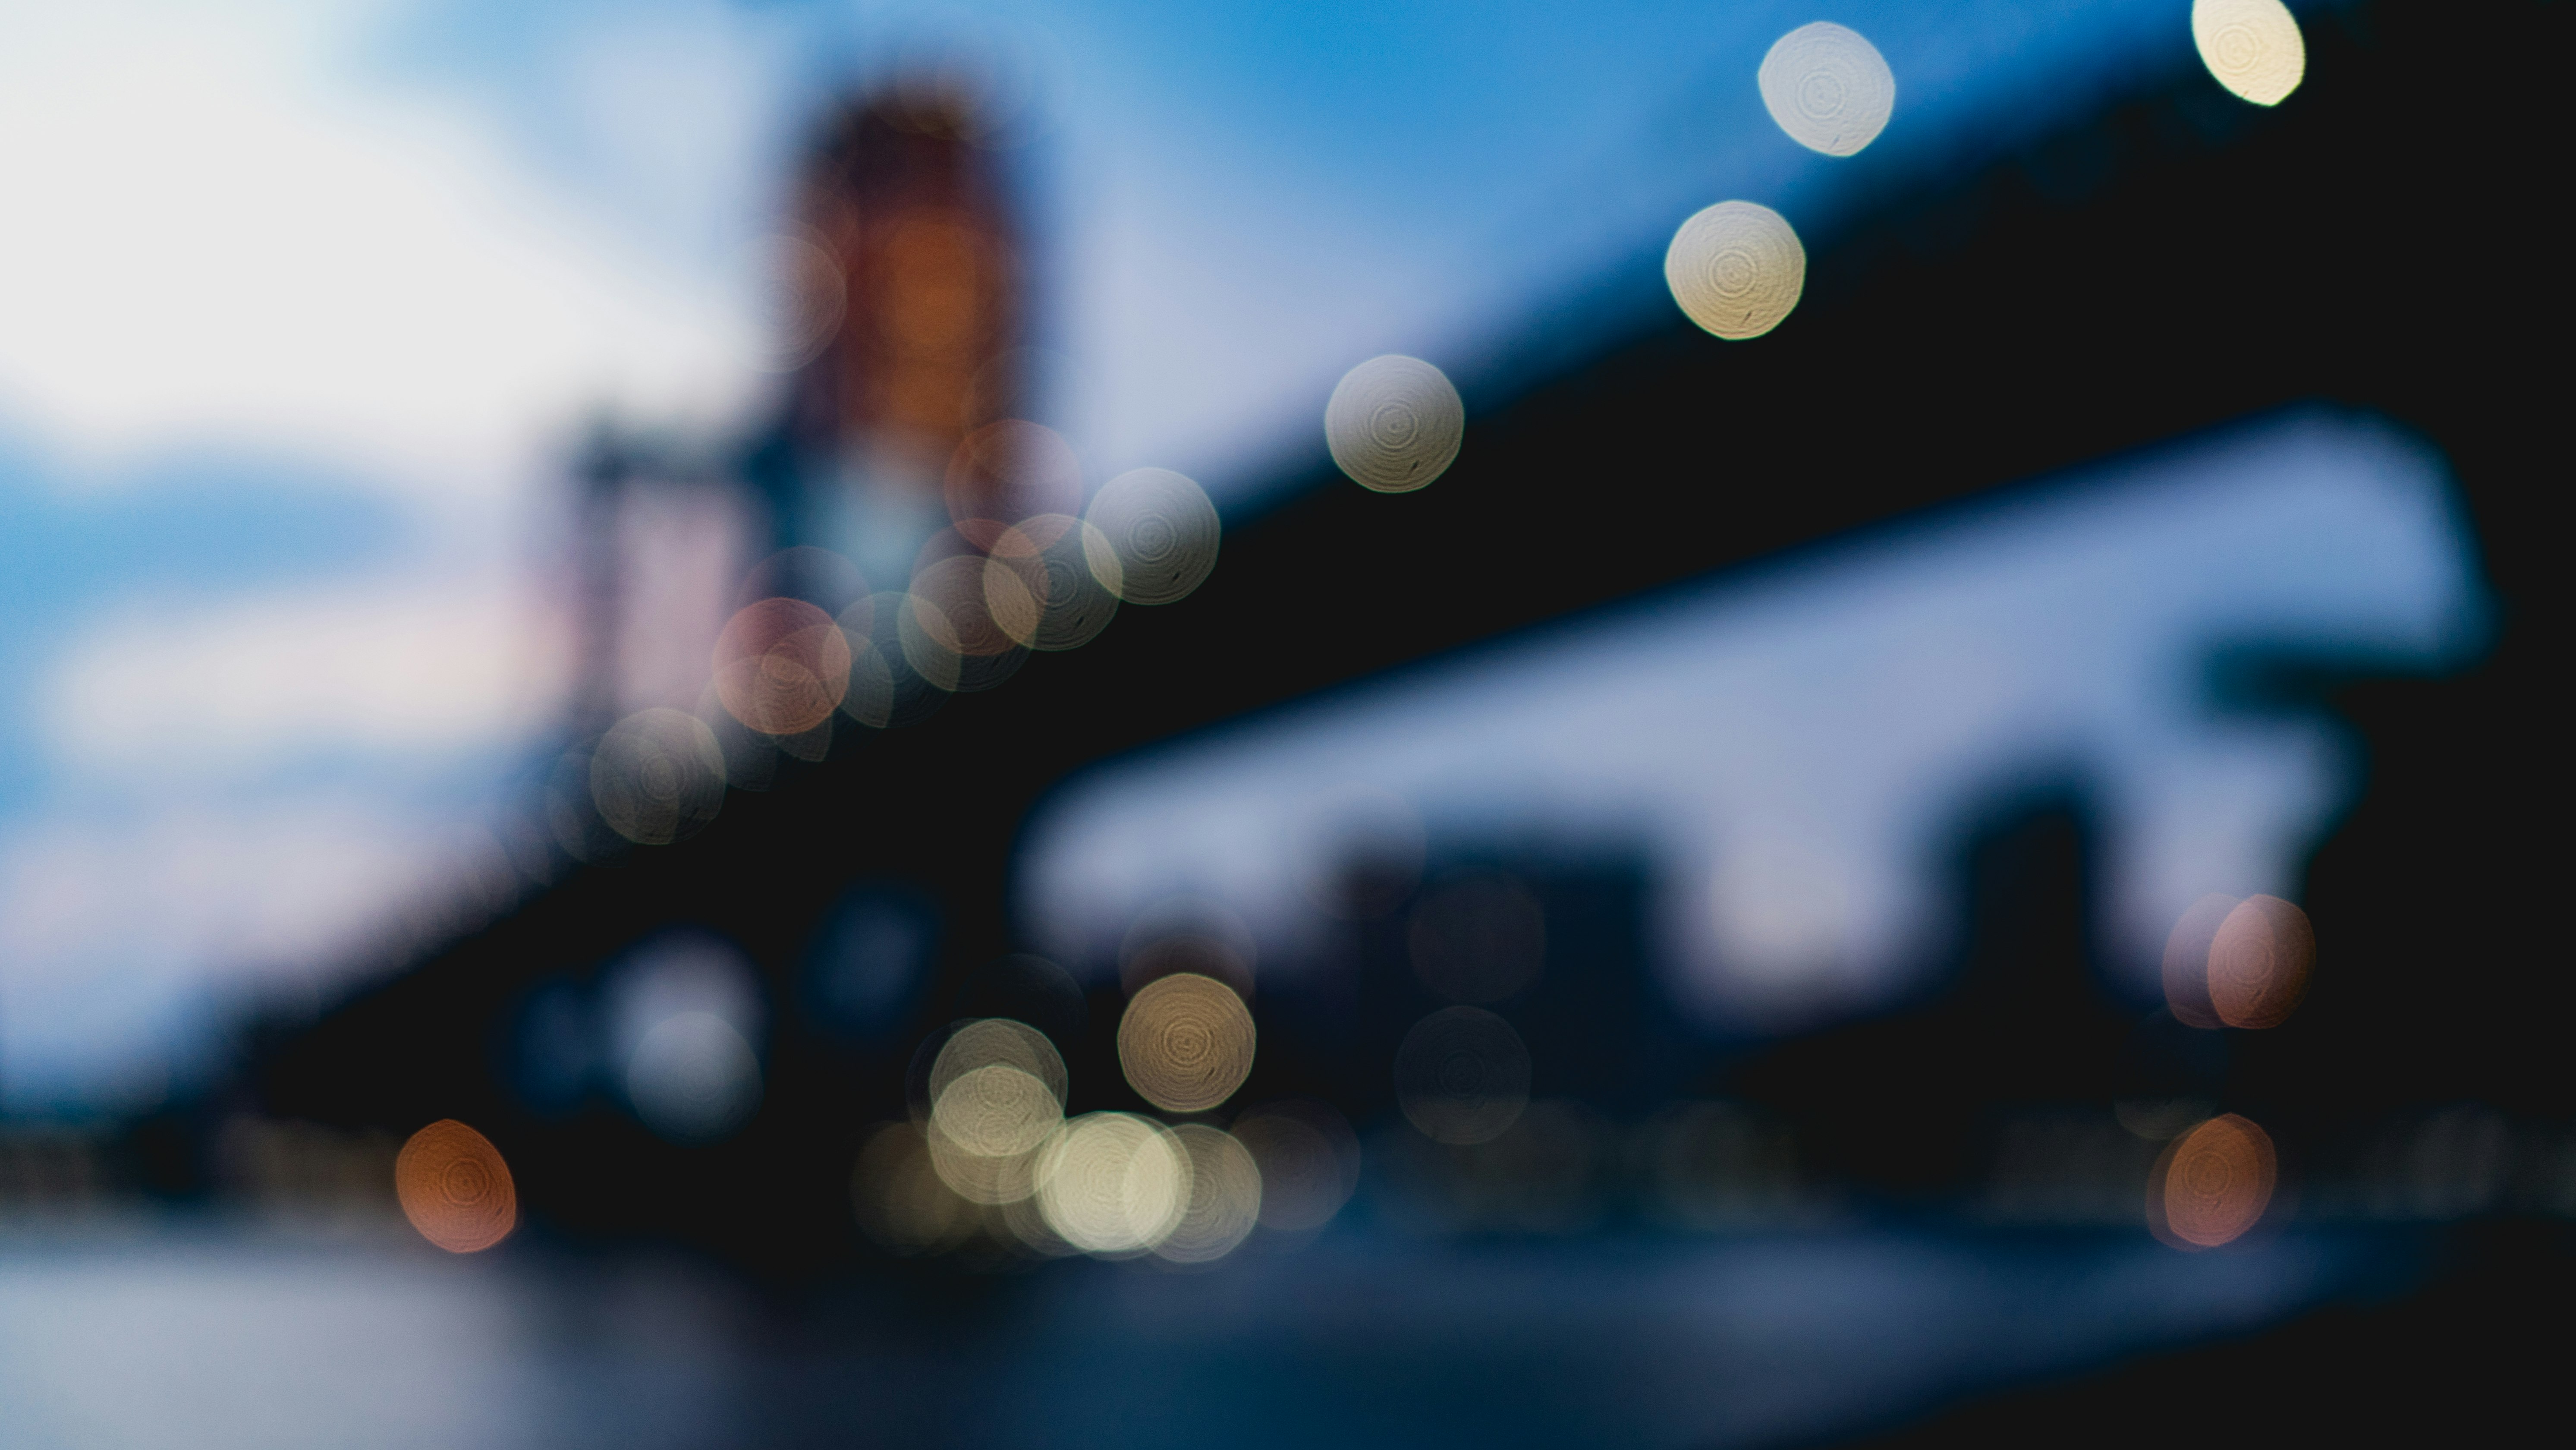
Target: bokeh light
point(803, 297)
point(946, 629)
point(2212, 1184)
point(2259, 961)
point(1477, 938)
point(782, 666)
point(1224, 1200)
point(1309, 1160)
point(1394, 423)
point(948, 602)
point(996, 1111)
point(1462, 1075)
point(455, 1188)
point(996, 1042)
point(1186, 1042)
point(693, 1078)
point(1827, 87)
point(2252, 47)
point(988, 1179)
point(1011, 470)
point(1114, 1184)
point(658, 776)
point(1153, 536)
point(1015, 593)
point(991, 1099)
point(2186, 962)
point(1038, 584)
point(1737, 269)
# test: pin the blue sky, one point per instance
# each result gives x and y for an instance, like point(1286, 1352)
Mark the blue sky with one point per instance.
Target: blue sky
point(300, 303)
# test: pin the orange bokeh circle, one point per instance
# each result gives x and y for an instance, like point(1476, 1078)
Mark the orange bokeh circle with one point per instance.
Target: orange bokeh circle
point(2259, 961)
point(455, 1188)
point(782, 666)
point(2212, 1184)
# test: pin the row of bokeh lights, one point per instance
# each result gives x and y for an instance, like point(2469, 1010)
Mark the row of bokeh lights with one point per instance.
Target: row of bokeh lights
point(989, 1147)
point(1015, 572)
point(2229, 962)
point(1737, 268)
point(989, 1150)
point(988, 1144)
point(1119, 1185)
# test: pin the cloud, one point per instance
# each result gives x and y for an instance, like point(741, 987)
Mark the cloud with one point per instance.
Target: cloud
point(220, 237)
point(435, 669)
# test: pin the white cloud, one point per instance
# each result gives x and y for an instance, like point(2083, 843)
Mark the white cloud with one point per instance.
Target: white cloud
point(282, 884)
point(218, 237)
point(429, 669)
